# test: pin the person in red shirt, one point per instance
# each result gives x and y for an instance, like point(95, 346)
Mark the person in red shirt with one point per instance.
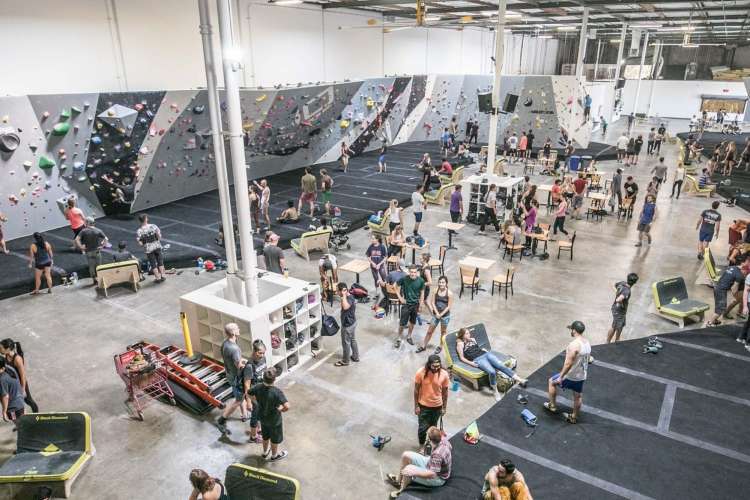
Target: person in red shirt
point(75, 217)
point(556, 192)
point(579, 185)
point(446, 168)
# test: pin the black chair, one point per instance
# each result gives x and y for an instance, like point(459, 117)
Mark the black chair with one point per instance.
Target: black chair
point(504, 281)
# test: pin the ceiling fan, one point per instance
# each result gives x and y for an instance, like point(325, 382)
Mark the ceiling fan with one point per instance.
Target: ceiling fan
point(421, 20)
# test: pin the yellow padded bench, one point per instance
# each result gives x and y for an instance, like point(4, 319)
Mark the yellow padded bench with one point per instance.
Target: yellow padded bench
point(437, 196)
point(473, 375)
point(712, 269)
point(51, 450)
point(312, 241)
point(672, 301)
point(126, 271)
point(455, 178)
point(693, 188)
point(246, 482)
point(383, 227)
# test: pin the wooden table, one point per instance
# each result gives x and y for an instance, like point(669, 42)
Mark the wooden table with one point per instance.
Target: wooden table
point(451, 227)
point(355, 266)
point(598, 196)
point(414, 247)
point(548, 188)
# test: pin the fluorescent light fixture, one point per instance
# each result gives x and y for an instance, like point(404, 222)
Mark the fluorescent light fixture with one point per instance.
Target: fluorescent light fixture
point(567, 28)
point(232, 54)
point(645, 25)
point(614, 40)
point(548, 36)
point(287, 2)
point(432, 18)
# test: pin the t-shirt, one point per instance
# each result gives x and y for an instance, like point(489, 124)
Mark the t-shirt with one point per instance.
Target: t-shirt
point(709, 218)
point(411, 288)
point(253, 370)
point(622, 142)
point(348, 316)
point(561, 209)
point(702, 180)
point(269, 399)
point(631, 189)
point(122, 256)
point(417, 201)
point(308, 183)
point(648, 213)
point(513, 142)
point(395, 276)
point(431, 387)
point(11, 387)
point(660, 171)
point(730, 276)
point(579, 185)
point(490, 199)
point(376, 253)
point(231, 354)
point(556, 190)
point(440, 459)
point(149, 235)
point(622, 289)
point(446, 137)
point(531, 139)
point(446, 167)
point(75, 217)
point(272, 255)
point(91, 238)
point(616, 183)
point(523, 142)
point(457, 201)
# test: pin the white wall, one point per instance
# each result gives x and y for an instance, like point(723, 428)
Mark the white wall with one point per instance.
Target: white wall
point(527, 55)
point(675, 98)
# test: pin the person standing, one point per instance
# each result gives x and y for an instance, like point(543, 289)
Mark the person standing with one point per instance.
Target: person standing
point(579, 185)
point(345, 152)
point(410, 293)
point(231, 355)
point(265, 202)
point(75, 217)
point(620, 306)
point(453, 129)
point(630, 152)
point(149, 237)
point(679, 178)
point(474, 132)
point(15, 358)
point(603, 125)
point(648, 215)
point(622, 147)
point(91, 240)
point(523, 143)
point(40, 259)
point(382, 165)
point(616, 188)
point(3, 247)
point(651, 141)
point(631, 119)
point(560, 213)
point(271, 404)
point(660, 172)
point(440, 304)
point(456, 208)
point(349, 347)
point(419, 204)
point(254, 199)
point(11, 394)
point(490, 209)
point(637, 146)
point(326, 185)
point(744, 336)
point(573, 373)
point(445, 141)
point(309, 191)
point(430, 395)
point(252, 374)
point(513, 147)
point(376, 255)
point(530, 143)
point(586, 108)
point(394, 215)
point(708, 226)
point(273, 255)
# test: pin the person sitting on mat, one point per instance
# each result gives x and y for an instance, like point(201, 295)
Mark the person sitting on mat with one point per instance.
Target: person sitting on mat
point(431, 471)
point(504, 482)
point(206, 487)
point(289, 215)
point(470, 353)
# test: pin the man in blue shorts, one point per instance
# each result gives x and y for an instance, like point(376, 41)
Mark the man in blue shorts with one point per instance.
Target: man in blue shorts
point(708, 227)
point(573, 373)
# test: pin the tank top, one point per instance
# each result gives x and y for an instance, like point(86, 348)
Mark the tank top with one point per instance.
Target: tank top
point(580, 367)
point(41, 256)
point(441, 301)
point(396, 215)
point(472, 350)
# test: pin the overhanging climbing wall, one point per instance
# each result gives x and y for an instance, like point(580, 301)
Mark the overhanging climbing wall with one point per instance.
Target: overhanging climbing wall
point(128, 151)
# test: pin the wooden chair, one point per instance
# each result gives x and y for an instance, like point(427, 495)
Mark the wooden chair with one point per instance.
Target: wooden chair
point(439, 263)
point(392, 261)
point(504, 281)
point(625, 210)
point(391, 293)
point(470, 279)
point(566, 246)
point(510, 248)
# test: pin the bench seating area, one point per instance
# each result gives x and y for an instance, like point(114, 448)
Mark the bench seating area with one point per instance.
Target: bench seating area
point(437, 196)
point(115, 273)
point(693, 188)
point(470, 374)
point(672, 302)
point(312, 241)
point(383, 227)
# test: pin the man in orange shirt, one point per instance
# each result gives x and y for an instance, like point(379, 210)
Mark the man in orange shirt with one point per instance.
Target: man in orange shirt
point(430, 395)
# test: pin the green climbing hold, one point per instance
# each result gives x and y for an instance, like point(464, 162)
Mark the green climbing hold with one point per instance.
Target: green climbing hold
point(61, 128)
point(46, 162)
point(75, 110)
point(64, 114)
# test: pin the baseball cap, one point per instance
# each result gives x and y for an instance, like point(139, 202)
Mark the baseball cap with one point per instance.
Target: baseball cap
point(577, 326)
point(274, 237)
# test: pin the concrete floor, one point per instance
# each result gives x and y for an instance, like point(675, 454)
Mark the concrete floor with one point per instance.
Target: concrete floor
point(71, 336)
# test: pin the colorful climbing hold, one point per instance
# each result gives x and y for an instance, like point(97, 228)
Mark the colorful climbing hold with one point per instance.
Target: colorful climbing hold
point(65, 114)
point(61, 128)
point(45, 162)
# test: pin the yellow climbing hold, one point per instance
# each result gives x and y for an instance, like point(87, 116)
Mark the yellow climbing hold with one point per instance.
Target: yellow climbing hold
point(261, 98)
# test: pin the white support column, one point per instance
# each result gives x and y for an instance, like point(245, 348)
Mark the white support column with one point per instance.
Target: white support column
point(598, 53)
point(654, 62)
point(582, 44)
point(640, 73)
point(232, 68)
point(620, 50)
point(499, 38)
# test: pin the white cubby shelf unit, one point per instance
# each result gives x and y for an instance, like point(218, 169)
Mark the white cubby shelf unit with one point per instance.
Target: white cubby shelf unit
point(288, 308)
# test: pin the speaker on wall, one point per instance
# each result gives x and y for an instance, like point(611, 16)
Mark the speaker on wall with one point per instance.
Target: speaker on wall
point(485, 102)
point(620, 83)
point(509, 105)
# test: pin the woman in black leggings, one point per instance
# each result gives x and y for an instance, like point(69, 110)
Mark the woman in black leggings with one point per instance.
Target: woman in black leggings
point(14, 356)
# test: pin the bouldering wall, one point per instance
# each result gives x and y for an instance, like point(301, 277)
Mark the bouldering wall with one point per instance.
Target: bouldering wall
point(125, 152)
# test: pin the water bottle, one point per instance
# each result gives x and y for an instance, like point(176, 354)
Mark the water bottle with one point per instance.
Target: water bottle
point(200, 262)
point(74, 278)
point(455, 385)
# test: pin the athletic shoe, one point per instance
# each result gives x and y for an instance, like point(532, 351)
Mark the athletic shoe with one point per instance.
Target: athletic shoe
point(639, 244)
point(409, 340)
point(266, 453)
point(480, 232)
point(397, 344)
point(280, 456)
point(741, 341)
point(438, 349)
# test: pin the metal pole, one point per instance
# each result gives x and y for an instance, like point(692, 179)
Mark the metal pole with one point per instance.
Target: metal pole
point(640, 73)
point(598, 53)
point(582, 44)
point(220, 160)
point(654, 62)
point(618, 64)
point(499, 38)
point(232, 67)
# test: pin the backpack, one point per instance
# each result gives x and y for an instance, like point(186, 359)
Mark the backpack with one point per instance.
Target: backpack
point(358, 291)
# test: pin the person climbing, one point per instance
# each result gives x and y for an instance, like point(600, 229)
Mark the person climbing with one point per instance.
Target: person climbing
point(75, 217)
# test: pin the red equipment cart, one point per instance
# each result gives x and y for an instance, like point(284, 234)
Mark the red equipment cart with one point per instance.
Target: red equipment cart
point(145, 379)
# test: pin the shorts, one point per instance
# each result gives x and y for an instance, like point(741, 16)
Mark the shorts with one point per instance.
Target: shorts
point(705, 236)
point(420, 463)
point(577, 201)
point(644, 227)
point(381, 159)
point(573, 385)
point(254, 417)
point(273, 432)
point(408, 314)
point(326, 197)
point(444, 320)
point(512, 151)
point(618, 319)
point(42, 266)
point(620, 151)
point(418, 216)
point(720, 300)
point(237, 392)
point(307, 197)
point(77, 230)
point(155, 258)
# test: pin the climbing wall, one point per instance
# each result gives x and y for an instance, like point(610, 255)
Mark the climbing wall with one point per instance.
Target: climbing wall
point(44, 148)
point(126, 152)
